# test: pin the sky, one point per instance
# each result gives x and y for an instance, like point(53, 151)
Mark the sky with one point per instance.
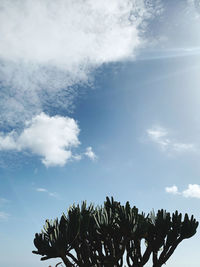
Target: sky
point(97, 99)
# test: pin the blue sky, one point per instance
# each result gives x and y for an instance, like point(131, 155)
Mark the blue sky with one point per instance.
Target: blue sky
point(100, 102)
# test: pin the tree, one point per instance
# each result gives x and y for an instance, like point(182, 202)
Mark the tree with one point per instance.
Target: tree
point(113, 234)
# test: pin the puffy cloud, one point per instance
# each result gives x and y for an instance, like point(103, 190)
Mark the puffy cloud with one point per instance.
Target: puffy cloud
point(193, 191)
point(90, 154)
point(172, 190)
point(62, 26)
point(52, 138)
point(7, 142)
point(161, 137)
point(48, 46)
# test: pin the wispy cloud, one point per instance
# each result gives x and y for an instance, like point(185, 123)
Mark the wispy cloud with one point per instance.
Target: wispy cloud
point(48, 46)
point(194, 5)
point(158, 135)
point(41, 190)
point(4, 215)
point(161, 137)
point(44, 190)
point(193, 191)
point(3, 201)
point(90, 153)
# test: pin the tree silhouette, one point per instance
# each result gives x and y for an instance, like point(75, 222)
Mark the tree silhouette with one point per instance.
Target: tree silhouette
point(113, 234)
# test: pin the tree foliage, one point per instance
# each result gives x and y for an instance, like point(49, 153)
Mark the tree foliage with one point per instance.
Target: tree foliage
point(112, 235)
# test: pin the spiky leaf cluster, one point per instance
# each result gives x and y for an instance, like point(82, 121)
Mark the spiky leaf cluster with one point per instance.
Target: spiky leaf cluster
point(108, 235)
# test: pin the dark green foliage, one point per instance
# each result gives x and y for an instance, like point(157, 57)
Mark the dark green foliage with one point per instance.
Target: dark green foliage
point(109, 235)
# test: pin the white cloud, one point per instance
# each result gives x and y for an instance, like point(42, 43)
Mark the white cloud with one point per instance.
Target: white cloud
point(53, 194)
point(41, 190)
point(193, 191)
point(90, 154)
point(77, 157)
point(194, 5)
point(172, 190)
point(63, 26)
point(51, 138)
point(161, 137)
point(44, 190)
point(181, 147)
point(7, 142)
point(48, 46)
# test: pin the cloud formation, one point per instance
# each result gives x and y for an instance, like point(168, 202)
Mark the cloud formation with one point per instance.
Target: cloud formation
point(195, 5)
point(193, 191)
point(161, 137)
point(51, 138)
point(172, 190)
point(48, 46)
point(41, 190)
point(44, 190)
point(90, 153)
point(46, 49)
